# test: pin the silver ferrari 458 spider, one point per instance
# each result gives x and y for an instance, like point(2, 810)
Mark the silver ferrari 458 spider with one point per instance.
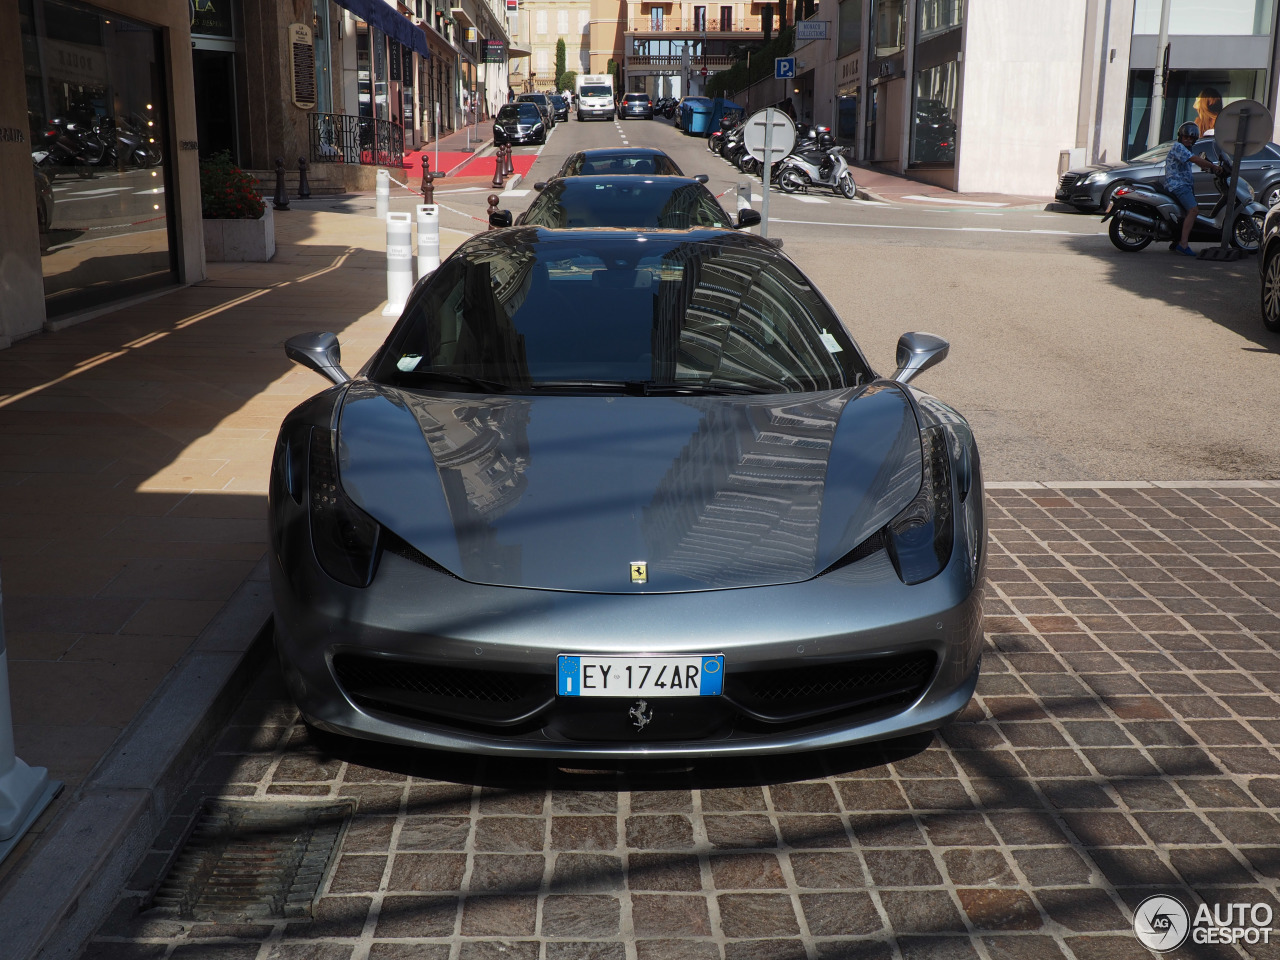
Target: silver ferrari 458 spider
point(620, 494)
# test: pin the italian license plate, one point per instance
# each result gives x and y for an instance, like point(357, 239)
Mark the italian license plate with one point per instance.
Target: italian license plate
point(587, 676)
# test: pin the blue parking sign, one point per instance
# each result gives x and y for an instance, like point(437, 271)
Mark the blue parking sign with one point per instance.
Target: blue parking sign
point(784, 68)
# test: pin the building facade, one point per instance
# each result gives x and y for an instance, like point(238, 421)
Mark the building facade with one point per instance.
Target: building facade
point(671, 48)
point(540, 24)
point(108, 107)
point(1001, 95)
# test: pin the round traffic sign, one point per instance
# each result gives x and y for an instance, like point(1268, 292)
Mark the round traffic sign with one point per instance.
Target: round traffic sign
point(704, 71)
point(1250, 115)
point(782, 134)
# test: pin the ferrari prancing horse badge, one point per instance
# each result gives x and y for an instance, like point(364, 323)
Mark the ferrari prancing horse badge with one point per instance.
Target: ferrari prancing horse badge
point(639, 571)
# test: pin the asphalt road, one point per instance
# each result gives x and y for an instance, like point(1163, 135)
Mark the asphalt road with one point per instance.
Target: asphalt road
point(1073, 361)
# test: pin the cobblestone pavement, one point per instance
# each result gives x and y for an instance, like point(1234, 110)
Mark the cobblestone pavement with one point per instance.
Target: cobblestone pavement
point(1123, 742)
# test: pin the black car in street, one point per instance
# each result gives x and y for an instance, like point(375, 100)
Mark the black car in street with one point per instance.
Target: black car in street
point(519, 123)
point(543, 103)
point(629, 202)
point(1089, 189)
point(562, 106)
point(619, 161)
point(635, 105)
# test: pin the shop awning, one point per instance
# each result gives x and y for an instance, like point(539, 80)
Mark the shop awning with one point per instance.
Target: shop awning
point(386, 19)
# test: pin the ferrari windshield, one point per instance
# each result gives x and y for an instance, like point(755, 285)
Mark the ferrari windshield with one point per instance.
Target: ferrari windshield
point(528, 311)
point(663, 203)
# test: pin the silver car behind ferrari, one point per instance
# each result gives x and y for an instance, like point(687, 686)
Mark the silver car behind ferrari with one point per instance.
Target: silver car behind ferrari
point(617, 494)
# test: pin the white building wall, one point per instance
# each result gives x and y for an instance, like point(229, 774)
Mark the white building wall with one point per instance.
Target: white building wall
point(1021, 91)
point(1110, 101)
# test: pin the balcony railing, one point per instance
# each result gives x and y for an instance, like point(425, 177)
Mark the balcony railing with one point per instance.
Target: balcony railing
point(694, 25)
point(340, 138)
point(674, 61)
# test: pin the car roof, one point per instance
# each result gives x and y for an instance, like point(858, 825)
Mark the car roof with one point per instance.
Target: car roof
point(627, 180)
point(522, 235)
point(607, 153)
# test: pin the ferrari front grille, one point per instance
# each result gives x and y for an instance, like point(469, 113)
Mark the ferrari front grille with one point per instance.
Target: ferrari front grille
point(361, 675)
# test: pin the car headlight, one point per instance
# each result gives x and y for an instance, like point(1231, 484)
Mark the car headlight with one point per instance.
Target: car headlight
point(1093, 177)
point(922, 535)
point(344, 537)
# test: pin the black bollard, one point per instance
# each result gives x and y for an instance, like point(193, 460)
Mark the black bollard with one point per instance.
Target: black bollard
point(493, 207)
point(281, 200)
point(498, 169)
point(304, 185)
point(428, 181)
point(508, 167)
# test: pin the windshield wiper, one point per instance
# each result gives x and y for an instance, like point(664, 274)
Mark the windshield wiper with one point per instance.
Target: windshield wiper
point(479, 384)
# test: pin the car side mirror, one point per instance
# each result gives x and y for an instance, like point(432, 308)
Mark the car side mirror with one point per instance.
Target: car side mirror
point(319, 352)
point(500, 218)
point(540, 185)
point(702, 178)
point(917, 352)
point(748, 217)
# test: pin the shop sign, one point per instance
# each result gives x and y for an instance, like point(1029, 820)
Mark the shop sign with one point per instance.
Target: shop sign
point(210, 18)
point(302, 66)
point(75, 63)
point(495, 51)
point(12, 135)
point(811, 30)
point(471, 35)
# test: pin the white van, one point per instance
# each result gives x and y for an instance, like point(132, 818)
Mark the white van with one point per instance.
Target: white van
point(595, 96)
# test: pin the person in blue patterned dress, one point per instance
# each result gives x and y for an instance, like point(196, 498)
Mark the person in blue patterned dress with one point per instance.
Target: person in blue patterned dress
point(1177, 179)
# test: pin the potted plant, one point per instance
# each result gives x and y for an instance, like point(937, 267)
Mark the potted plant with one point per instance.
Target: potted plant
point(237, 224)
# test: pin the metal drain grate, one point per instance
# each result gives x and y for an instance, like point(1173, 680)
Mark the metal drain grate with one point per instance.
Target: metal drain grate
point(252, 861)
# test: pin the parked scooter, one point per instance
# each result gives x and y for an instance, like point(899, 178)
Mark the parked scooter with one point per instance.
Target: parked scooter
point(823, 165)
point(1141, 213)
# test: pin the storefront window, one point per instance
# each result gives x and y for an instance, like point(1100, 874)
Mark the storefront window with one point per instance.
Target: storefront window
point(1196, 95)
point(96, 108)
point(850, 27)
point(1219, 18)
point(847, 116)
point(888, 26)
point(933, 124)
point(938, 16)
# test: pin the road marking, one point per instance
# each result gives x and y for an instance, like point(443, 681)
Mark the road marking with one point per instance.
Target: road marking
point(903, 226)
point(515, 193)
point(986, 213)
point(97, 193)
point(810, 199)
point(966, 203)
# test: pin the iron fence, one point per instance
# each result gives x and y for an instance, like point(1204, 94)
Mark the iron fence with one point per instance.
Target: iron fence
point(340, 138)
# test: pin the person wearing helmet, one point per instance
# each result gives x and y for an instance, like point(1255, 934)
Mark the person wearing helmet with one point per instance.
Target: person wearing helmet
point(1177, 179)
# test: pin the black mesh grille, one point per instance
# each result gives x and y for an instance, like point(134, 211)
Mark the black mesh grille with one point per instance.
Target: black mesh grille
point(866, 548)
point(368, 676)
point(403, 548)
point(849, 682)
point(1068, 180)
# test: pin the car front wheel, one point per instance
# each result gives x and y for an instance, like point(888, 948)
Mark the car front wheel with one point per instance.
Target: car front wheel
point(1271, 196)
point(1271, 293)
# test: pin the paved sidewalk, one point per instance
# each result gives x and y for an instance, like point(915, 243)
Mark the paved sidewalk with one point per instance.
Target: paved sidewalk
point(1122, 743)
point(132, 526)
point(890, 187)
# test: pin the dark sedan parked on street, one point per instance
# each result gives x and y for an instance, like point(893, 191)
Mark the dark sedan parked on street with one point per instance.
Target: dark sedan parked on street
point(544, 104)
point(635, 105)
point(519, 123)
point(1269, 267)
point(639, 203)
point(562, 106)
point(619, 160)
point(1089, 189)
point(625, 495)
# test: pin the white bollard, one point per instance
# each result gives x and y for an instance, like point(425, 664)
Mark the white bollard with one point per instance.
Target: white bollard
point(24, 791)
point(428, 238)
point(744, 197)
point(383, 194)
point(399, 262)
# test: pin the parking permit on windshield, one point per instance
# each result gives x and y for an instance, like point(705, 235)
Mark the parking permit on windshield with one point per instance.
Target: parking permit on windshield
point(831, 343)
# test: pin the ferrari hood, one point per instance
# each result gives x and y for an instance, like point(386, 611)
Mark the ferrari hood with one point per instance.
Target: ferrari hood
point(625, 494)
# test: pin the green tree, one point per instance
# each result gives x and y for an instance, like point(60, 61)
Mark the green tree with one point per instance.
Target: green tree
point(569, 80)
point(560, 63)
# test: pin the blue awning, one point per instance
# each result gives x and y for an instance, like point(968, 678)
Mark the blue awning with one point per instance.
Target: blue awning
point(390, 22)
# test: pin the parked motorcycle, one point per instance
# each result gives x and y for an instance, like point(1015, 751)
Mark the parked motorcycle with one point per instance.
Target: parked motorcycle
point(1142, 213)
point(823, 165)
point(64, 143)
